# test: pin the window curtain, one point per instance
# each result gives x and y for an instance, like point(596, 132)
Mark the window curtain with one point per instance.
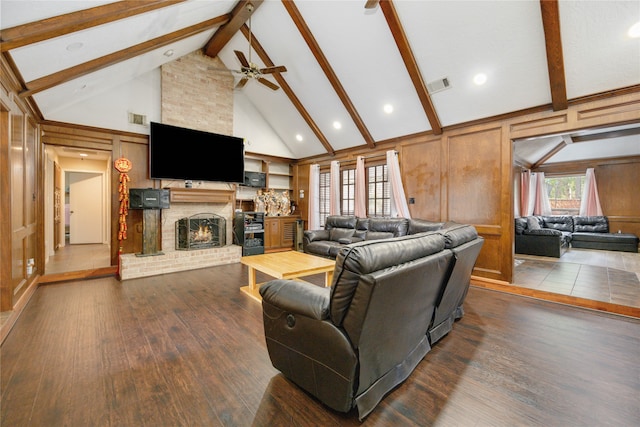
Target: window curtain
point(542, 206)
point(314, 197)
point(527, 193)
point(334, 188)
point(399, 207)
point(361, 189)
point(590, 202)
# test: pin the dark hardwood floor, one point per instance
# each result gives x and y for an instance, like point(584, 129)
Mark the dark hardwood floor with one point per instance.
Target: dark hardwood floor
point(187, 349)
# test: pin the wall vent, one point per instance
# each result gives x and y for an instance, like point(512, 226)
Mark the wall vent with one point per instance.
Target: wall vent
point(438, 85)
point(138, 119)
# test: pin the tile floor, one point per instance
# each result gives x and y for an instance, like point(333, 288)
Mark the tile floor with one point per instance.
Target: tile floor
point(596, 275)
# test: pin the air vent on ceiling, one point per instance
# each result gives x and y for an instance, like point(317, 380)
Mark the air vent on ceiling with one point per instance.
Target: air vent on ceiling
point(438, 85)
point(138, 119)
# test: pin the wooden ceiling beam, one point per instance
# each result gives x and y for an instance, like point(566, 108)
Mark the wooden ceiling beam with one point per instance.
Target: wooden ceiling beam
point(239, 15)
point(313, 45)
point(393, 21)
point(257, 47)
point(555, 57)
point(550, 154)
point(63, 76)
point(23, 35)
point(607, 135)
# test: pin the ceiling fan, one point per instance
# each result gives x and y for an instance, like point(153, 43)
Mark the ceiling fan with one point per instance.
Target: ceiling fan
point(249, 70)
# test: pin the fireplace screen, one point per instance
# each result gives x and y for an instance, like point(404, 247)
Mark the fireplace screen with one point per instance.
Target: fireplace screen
point(200, 231)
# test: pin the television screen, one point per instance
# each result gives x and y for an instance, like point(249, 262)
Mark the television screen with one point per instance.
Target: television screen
point(189, 154)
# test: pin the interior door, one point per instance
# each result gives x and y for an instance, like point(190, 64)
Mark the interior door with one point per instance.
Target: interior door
point(85, 206)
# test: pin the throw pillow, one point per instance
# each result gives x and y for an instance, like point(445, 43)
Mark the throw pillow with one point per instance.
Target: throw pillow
point(533, 223)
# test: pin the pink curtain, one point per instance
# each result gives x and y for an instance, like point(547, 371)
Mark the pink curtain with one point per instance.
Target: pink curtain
point(334, 188)
point(361, 189)
point(399, 207)
point(314, 197)
point(525, 186)
point(542, 206)
point(590, 203)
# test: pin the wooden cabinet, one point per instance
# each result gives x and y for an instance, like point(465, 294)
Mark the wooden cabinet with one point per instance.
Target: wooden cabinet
point(279, 233)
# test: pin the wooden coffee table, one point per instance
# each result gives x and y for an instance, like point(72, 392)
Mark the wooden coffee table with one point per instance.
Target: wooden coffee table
point(285, 265)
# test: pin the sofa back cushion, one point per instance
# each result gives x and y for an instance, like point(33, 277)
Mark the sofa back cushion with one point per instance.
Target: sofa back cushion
point(336, 234)
point(458, 235)
point(591, 224)
point(397, 226)
point(340, 221)
point(359, 259)
point(362, 226)
point(521, 225)
point(559, 222)
point(422, 225)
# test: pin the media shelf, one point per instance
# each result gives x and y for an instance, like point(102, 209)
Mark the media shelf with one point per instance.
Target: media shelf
point(248, 232)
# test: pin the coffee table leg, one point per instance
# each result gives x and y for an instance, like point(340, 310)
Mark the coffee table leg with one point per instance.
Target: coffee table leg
point(328, 278)
point(252, 278)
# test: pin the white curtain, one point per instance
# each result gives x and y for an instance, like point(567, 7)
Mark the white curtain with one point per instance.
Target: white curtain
point(527, 193)
point(542, 206)
point(314, 197)
point(590, 202)
point(361, 189)
point(399, 207)
point(334, 188)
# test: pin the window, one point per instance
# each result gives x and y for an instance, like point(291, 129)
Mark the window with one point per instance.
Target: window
point(348, 196)
point(378, 183)
point(324, 196)
point(565, 193)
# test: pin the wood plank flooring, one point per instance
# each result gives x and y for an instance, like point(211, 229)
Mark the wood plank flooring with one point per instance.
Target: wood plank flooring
point(187, 349)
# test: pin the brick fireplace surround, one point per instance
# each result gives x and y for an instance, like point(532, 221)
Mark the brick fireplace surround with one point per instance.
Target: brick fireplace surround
point(185, 203)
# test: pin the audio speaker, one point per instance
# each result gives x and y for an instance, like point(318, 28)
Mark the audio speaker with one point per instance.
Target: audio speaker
point(148, 198)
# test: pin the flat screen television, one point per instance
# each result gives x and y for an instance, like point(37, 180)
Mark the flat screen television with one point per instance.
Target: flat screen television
point(194, 155)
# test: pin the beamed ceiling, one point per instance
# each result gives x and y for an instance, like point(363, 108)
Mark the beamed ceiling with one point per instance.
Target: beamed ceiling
point(347, 60)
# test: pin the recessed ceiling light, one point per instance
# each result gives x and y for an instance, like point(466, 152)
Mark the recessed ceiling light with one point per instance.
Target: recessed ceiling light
point(388, 108)
point(480, 79)
point(168, 53)
point(634, 31)
point(337, 125)
point(299, 138)
point(84, 155)
point(75, 46)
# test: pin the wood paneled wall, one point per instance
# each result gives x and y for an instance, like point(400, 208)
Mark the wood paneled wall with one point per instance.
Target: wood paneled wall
point(467, 174)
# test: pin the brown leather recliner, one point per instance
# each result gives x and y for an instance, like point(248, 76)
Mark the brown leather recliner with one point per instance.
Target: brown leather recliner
point(351, 344)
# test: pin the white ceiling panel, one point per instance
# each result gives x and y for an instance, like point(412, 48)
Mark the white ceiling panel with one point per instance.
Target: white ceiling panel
point(15, 13)
point(457, 40)
point(50, 56)
point(599, 55)
point(371, 77)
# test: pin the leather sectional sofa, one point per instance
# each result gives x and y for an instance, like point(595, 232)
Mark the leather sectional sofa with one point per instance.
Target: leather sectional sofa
point(341, 230)
point(553, 235)
point(390, 301)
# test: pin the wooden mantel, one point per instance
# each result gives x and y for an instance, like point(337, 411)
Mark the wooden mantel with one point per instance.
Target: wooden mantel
point(201, 195)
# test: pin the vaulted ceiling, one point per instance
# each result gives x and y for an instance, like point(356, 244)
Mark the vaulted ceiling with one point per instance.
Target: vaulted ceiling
point(346, 61)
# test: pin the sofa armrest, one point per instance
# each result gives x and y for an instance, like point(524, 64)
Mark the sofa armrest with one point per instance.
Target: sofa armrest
point(297, 297)
point(543, 232)
point(313, 235)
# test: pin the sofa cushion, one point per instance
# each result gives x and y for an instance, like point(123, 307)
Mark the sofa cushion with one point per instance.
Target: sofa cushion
point(521, 225)
point(458, 235)
point(359, 259)
point(340, 221)
point(605, 237)
point(335, 234)
point(559, 222)
point(422, 225)
point(377, 235)
point(591, 224)
point(397, 226)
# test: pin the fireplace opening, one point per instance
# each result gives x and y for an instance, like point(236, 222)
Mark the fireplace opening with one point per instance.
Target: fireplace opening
point(200, 231)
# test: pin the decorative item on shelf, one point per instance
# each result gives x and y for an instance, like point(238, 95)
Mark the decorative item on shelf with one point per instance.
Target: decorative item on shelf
point(259, 202)
point(276, 204)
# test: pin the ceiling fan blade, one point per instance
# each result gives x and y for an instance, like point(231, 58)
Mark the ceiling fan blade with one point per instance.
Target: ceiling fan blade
point(277, 69)
point(371, 4)
point(242, 58)
point(268, 84)
point(243, 81)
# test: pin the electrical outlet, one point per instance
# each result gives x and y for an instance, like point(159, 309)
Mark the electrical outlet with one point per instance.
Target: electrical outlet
point(412, 201)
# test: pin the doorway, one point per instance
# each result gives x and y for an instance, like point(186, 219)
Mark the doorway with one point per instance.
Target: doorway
point(81, 240)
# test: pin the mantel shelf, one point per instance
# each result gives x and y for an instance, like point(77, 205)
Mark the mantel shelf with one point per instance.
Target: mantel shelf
point(201, 195)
